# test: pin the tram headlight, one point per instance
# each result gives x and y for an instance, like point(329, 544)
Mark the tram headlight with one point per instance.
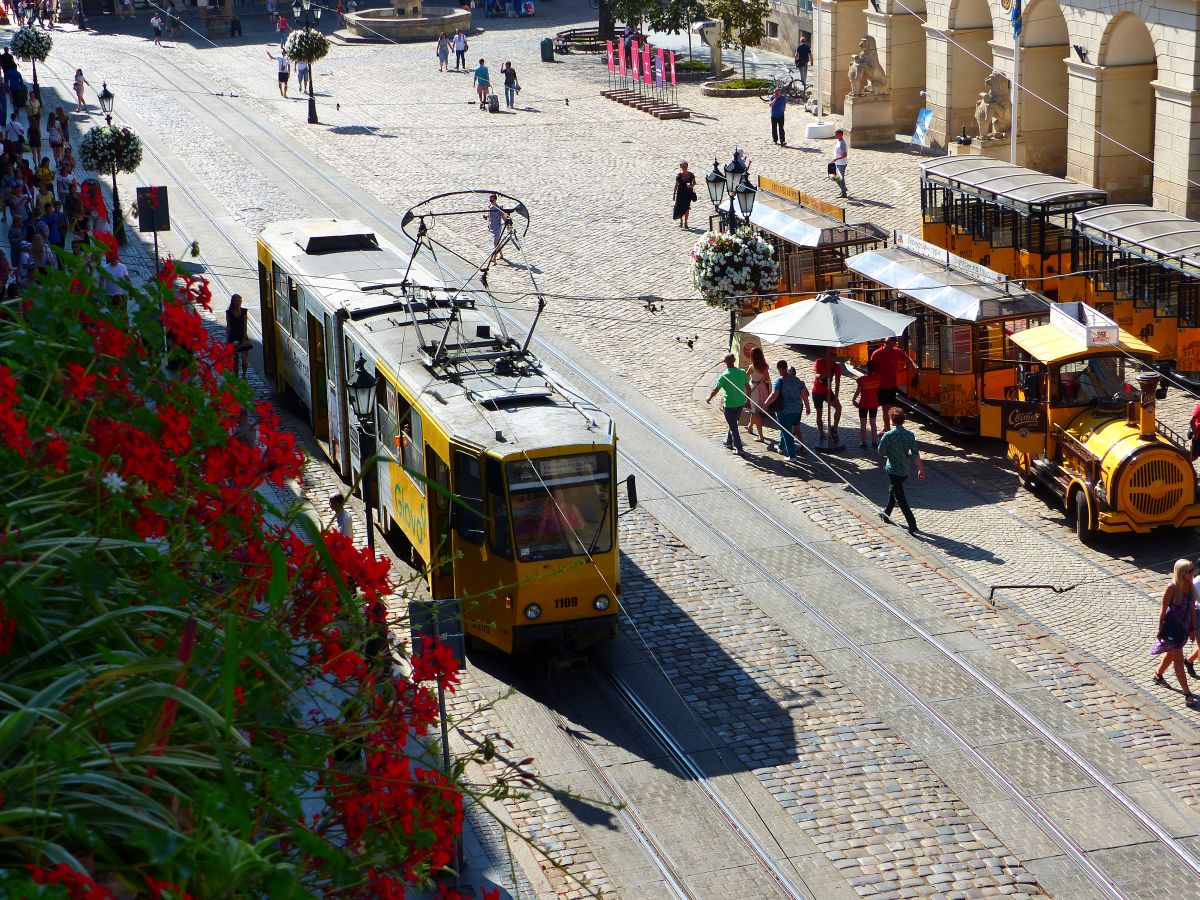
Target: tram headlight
point(601, 603)
point(533, 611)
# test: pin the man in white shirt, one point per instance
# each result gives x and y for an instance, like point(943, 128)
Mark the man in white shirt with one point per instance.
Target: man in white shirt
point(285, 72)
point(840, 157)
point(460, 50)
point(341, 516)
point(115, 272)
point(14, 133)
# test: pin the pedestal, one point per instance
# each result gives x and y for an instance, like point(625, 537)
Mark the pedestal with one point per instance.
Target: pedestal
point(816, 131)
point(868, 120)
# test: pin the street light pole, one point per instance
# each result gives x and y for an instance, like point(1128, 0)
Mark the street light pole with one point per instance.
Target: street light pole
point(735, 181)
point(306, 5)
point(107, 99)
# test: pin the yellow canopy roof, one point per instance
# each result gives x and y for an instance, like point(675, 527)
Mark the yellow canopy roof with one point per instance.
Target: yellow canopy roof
point(1050, 344)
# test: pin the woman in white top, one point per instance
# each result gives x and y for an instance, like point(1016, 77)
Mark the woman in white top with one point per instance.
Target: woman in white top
point(80, 81)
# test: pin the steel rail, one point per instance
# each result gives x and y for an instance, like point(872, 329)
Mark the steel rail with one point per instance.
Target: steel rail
point(1030, 719)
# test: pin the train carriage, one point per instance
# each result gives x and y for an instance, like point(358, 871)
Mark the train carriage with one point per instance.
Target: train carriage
point(1014, 220)
point(499, 479)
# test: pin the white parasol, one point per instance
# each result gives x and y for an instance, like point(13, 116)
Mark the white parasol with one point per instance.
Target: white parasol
point(828, 321)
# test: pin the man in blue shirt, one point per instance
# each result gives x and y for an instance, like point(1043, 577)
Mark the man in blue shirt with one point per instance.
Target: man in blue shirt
point(483, 83)
point(778, 105)
point(899, 449)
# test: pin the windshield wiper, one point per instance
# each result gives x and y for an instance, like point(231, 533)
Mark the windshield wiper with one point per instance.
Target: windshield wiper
point(600, 526)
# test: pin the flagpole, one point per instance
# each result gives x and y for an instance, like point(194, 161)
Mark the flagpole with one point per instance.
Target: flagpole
point(1015, 99)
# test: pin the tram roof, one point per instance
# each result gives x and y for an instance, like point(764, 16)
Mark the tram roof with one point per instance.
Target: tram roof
point(1050, 344)
point(806, 227)
point(470, 399)
point(1010, 185)
point(950, 291)
point(1144, 231)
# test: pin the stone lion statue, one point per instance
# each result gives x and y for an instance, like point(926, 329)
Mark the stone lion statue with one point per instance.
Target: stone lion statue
point(993, 111)
point(866, 74)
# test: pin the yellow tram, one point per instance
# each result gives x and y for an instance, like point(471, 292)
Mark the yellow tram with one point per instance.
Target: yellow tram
point(1013, 220)
point(501, 482)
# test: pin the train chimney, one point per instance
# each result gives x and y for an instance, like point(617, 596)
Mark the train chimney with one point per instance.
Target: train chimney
point(1147, 384)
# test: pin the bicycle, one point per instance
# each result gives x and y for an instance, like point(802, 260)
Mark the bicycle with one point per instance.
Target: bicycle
point(794, 89)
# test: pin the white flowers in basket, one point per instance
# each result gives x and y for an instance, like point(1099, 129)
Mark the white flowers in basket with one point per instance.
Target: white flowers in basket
point(31, 43)
point(106, 147)
point(306, 45)
point(729, 269)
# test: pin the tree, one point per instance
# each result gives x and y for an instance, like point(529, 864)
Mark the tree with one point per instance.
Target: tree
point(743, 23)
point(669, 16)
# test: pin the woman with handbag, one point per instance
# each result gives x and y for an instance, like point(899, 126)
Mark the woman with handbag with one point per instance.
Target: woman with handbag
point(1176, 624)
point(760, 387)
point(235, 334)
point(685, 193)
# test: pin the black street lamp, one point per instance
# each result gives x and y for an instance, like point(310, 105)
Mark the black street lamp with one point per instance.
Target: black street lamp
point(362, 400)
point(107, 98)
point(306, 5)
point(735, 181)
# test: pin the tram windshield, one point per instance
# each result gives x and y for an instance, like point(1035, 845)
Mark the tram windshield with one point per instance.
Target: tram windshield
point(561, 506)
point(1098, 379)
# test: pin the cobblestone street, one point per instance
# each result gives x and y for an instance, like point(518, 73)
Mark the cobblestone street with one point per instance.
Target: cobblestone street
point(851, 780)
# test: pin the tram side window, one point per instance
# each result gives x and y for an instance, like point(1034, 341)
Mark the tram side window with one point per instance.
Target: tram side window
point(283, 312)
point(933, 200)
point(1003, 227)
point(412, 440)
point(468, 489)
point(928, 356)
point(956, 349)
point(1165, 294)
point(1189, 304)
point(385, 418)
point(497, 505)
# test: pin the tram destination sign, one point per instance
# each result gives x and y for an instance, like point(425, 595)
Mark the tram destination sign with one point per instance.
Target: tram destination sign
point(946, 258)
point(1087, 325)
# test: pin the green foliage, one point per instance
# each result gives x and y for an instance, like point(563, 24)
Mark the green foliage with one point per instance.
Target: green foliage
point(668, 16)
point(744, 23)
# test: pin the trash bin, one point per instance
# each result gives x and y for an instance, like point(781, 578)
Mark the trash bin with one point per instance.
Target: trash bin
point(547, 50)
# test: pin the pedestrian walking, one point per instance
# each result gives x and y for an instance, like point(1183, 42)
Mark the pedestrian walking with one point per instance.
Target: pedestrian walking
point(54, 137)
point(1176, 625)
point(497, 218)
point(841, 156)
point(236, 335)
point(302, 76)
point(758, 374)
point(33, 109)
point(284, 69)
point(281, 25)
point(891, 365)
point(271, 12)
point(172, 19)
point(803, 58)
point(899, 450)
point(787, 402)
point(866, 399)
point(732, 383)
point(511, 86)
point(33, 137)
point(127, 8)
point(341, 516)
point(443, 51)
point(685, 193)
point(827, 382)
point(460, 50)
point(156, 25)
point(235, 26)
point(79, 84)
point(483, 83)
point(778, 107)
point(340, 9)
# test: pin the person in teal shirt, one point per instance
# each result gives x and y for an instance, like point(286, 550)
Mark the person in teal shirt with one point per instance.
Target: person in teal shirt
point(899, 450)
point(483, 83)
point(733, 384)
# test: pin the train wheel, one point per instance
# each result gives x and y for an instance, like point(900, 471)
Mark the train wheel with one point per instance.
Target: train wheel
point(1083, 530)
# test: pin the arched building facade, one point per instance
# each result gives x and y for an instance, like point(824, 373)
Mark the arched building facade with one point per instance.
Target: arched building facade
point(1110, 88)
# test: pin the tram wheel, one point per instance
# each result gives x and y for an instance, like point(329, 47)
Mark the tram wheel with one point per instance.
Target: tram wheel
point(1083, 530)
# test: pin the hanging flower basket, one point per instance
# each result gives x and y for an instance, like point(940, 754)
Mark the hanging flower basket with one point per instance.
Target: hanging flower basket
point(106, 147)
point(31, 44)
point(306, 45)
point(731, 269)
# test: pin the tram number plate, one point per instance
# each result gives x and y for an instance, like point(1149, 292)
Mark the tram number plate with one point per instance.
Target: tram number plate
point(566, 602)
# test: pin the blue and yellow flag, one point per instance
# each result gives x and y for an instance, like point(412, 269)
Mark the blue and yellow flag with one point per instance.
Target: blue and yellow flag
point(1016, 18)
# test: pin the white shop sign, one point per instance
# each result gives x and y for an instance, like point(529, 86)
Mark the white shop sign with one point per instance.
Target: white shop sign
point(1085, 324)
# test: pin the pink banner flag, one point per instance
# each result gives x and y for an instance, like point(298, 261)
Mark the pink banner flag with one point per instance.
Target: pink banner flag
point(621, 57)
point(672, 67)
point(610, 58)
point(660, 69)
point(634, 58)
point(647, 69)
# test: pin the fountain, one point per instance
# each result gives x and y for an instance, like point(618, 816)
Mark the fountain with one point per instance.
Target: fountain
point(407, 20)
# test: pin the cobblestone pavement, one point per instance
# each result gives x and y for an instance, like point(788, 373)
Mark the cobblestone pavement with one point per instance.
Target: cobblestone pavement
point(599, 175)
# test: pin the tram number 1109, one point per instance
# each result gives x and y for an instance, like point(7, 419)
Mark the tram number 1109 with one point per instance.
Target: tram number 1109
point(566, 602)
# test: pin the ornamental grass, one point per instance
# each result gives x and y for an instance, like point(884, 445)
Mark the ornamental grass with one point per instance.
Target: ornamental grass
point(194, 696)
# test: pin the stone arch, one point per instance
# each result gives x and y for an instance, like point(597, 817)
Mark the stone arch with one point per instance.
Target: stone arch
point(969, 62)
point(1125, 117)
point(1042, 128)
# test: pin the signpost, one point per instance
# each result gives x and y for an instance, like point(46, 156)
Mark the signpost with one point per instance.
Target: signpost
point(154, 214)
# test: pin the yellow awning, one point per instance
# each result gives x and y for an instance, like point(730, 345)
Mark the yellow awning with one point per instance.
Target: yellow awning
point(1050, 344)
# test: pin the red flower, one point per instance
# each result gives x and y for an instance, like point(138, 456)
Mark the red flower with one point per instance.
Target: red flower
point(13, 427)
point(8, 630)
point(79, 885)
point(165, 890)
point(435, 661)
point(81, 385)
point(176, 426)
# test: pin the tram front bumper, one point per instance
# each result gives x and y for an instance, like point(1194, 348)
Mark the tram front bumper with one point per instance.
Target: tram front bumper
point(575, 634)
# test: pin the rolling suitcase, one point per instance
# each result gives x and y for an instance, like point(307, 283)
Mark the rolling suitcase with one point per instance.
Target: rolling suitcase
point(493, 103)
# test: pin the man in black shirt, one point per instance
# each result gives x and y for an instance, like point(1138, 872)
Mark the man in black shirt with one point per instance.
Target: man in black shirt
point(803, 58)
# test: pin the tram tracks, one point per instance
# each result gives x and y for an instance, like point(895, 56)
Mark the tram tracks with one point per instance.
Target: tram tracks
point(1106, 882)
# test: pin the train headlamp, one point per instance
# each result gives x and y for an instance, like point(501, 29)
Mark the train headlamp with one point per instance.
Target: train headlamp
point(601, 603)
point(533, 611)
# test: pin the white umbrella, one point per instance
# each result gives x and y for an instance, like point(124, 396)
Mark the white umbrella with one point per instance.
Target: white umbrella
point(828, 321)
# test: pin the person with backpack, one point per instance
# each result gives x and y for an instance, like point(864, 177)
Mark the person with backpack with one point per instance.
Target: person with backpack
point(1176, 625)
point(786, 404)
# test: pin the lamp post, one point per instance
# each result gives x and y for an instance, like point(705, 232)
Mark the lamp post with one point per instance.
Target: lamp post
point(735, 181)
point(362, 399)
point(107, 98)
point(306, 5)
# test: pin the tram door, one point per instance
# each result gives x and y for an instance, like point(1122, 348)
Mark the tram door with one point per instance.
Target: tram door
point(441, 562)
point(266, 298)
point(318, 391)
